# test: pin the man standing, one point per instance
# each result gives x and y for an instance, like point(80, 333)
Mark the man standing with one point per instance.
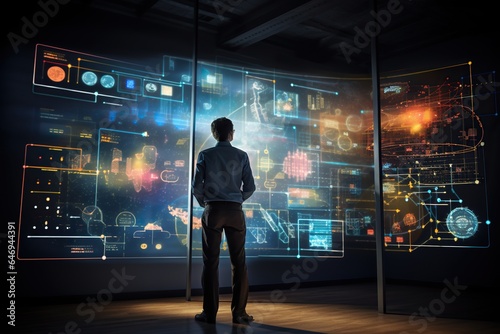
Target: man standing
point(223, 180)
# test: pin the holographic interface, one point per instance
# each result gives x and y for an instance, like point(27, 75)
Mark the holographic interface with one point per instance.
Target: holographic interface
point(109, 174)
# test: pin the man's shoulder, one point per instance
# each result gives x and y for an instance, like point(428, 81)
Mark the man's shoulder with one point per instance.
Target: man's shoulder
point(239, 151)
point(208, 150)
point(215, 149)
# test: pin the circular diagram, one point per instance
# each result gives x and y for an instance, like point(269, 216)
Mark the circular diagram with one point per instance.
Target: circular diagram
point(462, 223)
point(151, 87)
point(332, 134)
point(354, 123)
point(344, 142)
point(92, 216)
point(56, 73)
point(125, 218)
point(410, 220)
point(107, 81)
point(91, 213)
point(89, 78)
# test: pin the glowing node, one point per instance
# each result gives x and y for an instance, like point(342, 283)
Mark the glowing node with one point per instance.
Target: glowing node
point(56, 74)
point(462, 223)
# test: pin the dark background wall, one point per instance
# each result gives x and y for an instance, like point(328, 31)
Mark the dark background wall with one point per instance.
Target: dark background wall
point(126, 38)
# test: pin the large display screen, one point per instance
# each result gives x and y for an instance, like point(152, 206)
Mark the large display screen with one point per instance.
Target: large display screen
point(109, 173)
point(433, 142)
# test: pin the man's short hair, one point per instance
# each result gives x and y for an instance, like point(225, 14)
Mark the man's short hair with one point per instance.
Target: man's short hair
point(221, 128)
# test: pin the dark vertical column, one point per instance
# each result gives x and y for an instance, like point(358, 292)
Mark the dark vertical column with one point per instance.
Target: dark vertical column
point(377, 156)
point(191, 149)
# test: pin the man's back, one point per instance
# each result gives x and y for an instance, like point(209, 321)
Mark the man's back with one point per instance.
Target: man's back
point(223, 173)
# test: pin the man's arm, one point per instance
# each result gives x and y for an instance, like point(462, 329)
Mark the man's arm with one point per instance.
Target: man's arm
point(198, 181)
point(248, 180)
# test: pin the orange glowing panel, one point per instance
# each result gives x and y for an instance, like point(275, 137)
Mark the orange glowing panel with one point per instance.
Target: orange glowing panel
point(416, 119)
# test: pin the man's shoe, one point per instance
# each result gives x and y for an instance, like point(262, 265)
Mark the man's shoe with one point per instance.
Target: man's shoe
point(242, 319)
point(203, 317)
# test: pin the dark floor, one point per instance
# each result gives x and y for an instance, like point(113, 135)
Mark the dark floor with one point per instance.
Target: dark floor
point(342, 308)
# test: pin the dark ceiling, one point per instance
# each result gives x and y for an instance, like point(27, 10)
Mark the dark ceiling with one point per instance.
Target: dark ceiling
point(325, 32)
